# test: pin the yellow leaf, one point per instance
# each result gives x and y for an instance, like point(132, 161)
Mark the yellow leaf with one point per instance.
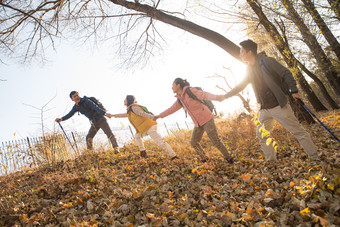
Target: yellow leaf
point(330, 186)
point(68, 205)
point(163, 170)
point(268, 141)
point(305, 211)
point(291, 184)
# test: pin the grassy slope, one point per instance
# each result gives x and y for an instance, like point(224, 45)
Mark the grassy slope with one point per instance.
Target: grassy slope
point(106, 189)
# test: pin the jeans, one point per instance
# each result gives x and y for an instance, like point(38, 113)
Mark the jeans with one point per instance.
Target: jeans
point(100, 124)
point(211, 130)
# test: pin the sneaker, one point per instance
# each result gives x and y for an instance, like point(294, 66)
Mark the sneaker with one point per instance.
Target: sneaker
point(271, 164)
point(314, 158)
point(143, 153)
point(230, 160)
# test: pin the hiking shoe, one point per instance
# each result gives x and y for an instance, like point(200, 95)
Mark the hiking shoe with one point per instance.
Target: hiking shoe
point(116, 150)
point(271, 164)
point(175, 157)
point(143, 153)
point(230, 160)
point(314, 158)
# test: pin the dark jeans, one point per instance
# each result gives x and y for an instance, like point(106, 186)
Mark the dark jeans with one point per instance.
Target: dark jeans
point(100, 124)
point(210, 129)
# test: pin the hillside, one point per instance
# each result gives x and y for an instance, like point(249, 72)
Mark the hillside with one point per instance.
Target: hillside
point(107, 189)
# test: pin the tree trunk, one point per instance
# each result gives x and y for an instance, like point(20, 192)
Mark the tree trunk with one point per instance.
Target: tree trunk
point(287, 55)
point(333, 42)
point(188, 26)
point(335, 6)
point(322, 87)
point(323, 61)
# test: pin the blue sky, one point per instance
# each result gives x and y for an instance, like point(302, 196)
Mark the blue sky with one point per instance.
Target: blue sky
point(93, 72)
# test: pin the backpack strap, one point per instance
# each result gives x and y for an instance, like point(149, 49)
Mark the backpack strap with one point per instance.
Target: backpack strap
point(264, 65)
point(179, 101)
point(192, 95)
point(142, 107)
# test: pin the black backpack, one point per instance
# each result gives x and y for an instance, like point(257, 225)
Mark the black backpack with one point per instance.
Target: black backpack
point(97, 102)
point(208, 103)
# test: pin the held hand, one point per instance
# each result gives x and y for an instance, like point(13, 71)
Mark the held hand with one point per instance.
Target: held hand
point(108, 115)
point(296, 96)
point(226, 96)
point(58, 120)
point(155, 117)
point(220, 98)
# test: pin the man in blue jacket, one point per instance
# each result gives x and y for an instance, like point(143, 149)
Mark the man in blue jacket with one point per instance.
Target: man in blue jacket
point(272, 98)
point(95, 114)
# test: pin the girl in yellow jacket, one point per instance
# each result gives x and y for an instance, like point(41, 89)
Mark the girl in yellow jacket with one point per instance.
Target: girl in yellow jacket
point(142, 121)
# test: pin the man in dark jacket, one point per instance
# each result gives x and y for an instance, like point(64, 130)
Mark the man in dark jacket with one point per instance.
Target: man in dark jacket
point(272, 99)
point(95, 114)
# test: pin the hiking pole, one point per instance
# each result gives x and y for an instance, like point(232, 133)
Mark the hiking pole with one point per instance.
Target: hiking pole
point(67, 137)
point(302, 103)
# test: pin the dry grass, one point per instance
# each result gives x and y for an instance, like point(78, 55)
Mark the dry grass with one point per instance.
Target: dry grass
point(106, 189)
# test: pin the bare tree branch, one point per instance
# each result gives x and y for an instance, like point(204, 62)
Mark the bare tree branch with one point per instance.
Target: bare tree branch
point(245, 101)
point(42, 111)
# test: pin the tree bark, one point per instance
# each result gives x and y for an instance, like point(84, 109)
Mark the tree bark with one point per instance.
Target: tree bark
point(287, 55)
point(322, 87)
point(188, 26)
point(335, 6)
point(333, 42)
point(323, 61)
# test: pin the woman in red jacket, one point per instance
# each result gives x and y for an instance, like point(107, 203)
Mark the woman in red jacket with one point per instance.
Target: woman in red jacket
point(200, 114)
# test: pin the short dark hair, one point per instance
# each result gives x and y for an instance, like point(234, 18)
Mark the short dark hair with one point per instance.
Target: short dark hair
point(181, 82)
point(249, 45)
point(72, 93)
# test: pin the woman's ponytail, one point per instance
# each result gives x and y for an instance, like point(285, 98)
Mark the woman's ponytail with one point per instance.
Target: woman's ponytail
point(181, 82)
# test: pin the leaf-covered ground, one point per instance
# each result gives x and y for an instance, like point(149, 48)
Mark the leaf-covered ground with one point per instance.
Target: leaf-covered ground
point(107, 189)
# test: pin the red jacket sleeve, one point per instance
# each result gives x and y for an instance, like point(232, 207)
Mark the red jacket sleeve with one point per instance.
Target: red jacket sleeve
point(203, 95)
point(175, 107)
